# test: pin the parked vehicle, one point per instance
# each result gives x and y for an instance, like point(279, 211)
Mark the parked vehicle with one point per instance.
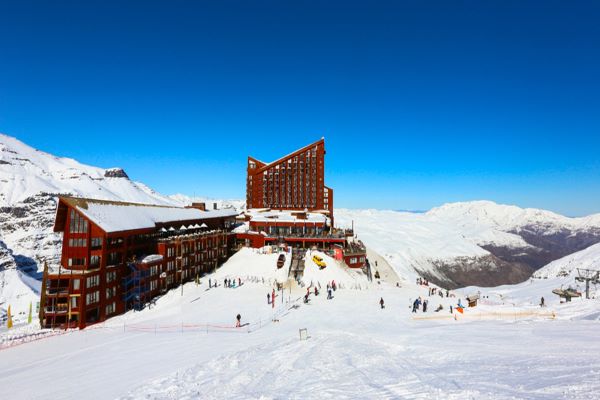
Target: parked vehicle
point(319, 261)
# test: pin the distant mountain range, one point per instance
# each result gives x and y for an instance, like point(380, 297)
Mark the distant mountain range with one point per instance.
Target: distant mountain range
point(472, 243)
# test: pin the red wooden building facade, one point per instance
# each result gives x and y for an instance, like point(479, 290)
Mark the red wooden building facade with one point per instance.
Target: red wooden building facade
point(117, 256)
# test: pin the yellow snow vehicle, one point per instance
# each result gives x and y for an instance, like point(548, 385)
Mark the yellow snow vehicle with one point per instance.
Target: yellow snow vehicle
point(319, 261)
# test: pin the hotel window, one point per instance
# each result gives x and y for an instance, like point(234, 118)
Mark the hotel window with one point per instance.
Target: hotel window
point(170, 265)
point(96, 243)
point(75, 284)
point(76, 261)
point(153, 270)
point(92, 281)
point(77, 224)
point(110, 292)
point(153, 285)
point(73, 302)
point(113, 258)
point(353, 260)
point(110, 308)
point(94, 261)
point(77, 242)
point(92, 298)
point(111, 276)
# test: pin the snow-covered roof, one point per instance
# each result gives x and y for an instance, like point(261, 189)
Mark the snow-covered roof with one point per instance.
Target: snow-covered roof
point(113, 216)
point(151, 258)
point(285, 216)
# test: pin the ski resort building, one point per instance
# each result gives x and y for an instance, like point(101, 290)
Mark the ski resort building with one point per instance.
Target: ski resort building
point(288, 202)
point(118, 256)
point(293, 182)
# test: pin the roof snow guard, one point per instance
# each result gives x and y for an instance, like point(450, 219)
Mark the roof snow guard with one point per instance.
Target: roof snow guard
point(116, 216)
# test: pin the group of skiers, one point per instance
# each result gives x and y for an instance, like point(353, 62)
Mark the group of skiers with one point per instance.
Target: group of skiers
point(231, 283)
point(433, 291)
point(421, 281)
point(228, 283)
point(417, 304)
point(331, 287)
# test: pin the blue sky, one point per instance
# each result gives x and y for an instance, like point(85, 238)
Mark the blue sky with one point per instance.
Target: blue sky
point(421, 103)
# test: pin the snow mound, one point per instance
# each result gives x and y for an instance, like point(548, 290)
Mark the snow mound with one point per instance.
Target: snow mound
point(344, 277)
point(255, 265)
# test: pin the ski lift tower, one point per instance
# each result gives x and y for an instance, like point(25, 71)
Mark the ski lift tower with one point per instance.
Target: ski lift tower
point(587, 276)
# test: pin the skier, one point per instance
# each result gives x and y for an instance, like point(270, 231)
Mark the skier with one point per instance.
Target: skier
point(239, 281)
point(209, 283)
point(316, 291)
point(239, 321)
point(542, 302)
point(268, 298)
point(381, 303)
point(329, 294)
point(273, 299)
point(424, 305)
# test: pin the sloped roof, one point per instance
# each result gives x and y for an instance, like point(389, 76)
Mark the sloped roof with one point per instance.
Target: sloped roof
point(115, 216)
point(286, 157)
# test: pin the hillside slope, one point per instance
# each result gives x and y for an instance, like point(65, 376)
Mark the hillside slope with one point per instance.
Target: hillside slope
point(471, 243)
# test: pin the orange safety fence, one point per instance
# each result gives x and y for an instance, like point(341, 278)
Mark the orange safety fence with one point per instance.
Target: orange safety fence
point(489, 315)
point(181, 328)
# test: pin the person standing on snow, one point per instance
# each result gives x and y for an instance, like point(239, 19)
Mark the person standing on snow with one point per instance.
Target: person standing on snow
point(273, 298)
point(268, 298)
point(381, 303)
point(424, 305)
point(239, 321)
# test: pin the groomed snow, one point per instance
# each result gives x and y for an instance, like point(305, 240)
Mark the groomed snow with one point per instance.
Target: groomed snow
point(186, 346)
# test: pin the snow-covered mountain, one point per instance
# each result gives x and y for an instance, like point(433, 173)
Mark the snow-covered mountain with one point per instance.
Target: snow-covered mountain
point(567, 266)
point(26, 172)
point(472, 243)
